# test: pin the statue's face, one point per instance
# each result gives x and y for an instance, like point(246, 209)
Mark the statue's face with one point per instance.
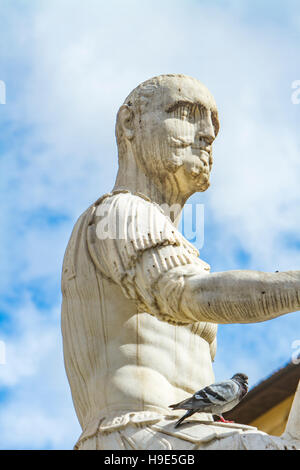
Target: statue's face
point(176, 132)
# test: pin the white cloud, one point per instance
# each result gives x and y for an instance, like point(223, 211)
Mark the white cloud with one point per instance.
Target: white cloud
point(257, 350)
point(37, 412)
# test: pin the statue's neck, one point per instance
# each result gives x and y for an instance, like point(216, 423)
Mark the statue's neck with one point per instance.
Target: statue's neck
point(164, 191)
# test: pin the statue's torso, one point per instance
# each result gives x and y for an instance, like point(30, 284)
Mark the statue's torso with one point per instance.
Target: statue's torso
point(119, 359)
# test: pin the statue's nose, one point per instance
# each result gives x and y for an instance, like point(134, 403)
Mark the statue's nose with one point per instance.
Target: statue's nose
point(205, 129)
point(204, 136)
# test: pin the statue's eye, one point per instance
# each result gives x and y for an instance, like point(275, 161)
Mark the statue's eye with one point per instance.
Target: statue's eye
point(185, 113)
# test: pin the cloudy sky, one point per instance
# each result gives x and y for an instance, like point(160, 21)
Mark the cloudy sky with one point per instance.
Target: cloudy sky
point(67, 66)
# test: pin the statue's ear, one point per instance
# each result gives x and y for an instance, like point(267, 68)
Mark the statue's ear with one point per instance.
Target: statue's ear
point(125, 116)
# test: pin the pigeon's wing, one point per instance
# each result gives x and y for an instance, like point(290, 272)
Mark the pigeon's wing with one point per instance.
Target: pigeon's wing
point(219, 393)
point(193, 403)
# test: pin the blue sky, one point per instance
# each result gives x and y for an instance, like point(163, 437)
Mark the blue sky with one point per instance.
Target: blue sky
point(67, 66)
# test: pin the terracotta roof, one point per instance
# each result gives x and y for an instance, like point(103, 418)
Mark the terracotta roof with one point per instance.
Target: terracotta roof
point(266, 394)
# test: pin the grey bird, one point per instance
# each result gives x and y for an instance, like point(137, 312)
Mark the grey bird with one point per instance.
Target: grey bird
point(216, 398)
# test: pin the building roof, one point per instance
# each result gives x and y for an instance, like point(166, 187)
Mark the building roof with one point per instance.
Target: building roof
point(266, 394)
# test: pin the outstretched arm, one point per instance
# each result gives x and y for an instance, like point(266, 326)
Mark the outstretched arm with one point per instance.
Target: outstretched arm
point(156, 267)
point(188, 294)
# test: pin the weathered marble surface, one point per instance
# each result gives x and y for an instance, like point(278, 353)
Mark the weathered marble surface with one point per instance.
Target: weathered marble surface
point(140, 308)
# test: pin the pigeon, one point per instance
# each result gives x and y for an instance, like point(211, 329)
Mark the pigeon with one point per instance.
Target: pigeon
point(216, 398)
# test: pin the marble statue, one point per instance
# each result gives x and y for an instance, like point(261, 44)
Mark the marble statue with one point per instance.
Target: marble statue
point(140, 308)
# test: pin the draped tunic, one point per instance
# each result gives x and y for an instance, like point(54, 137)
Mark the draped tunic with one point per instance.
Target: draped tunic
point(129, 348)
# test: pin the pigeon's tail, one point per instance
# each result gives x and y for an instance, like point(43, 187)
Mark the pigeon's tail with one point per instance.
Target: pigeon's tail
point(187, 415)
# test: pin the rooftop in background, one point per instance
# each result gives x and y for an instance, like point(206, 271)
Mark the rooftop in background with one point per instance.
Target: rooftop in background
point(267, 405)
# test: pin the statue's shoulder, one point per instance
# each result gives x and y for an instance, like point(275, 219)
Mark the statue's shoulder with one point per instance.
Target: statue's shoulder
point(115, 199)
point(121, 197)
point(133, 209)
point(132, 220)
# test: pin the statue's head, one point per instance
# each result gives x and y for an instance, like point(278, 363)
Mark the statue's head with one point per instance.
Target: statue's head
point(168, 124)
